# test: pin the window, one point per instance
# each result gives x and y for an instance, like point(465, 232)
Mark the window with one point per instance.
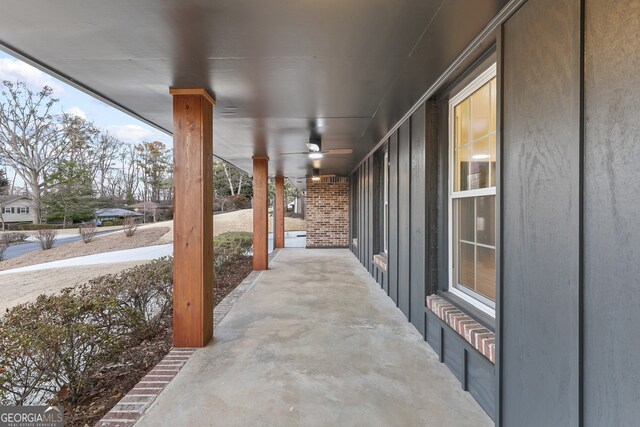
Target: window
point(7, 210)
point(472, 192)
point(385, 204)
point(23, 210)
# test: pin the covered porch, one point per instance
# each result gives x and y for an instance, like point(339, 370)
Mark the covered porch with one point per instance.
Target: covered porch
point(481, 155)
point(315, 341)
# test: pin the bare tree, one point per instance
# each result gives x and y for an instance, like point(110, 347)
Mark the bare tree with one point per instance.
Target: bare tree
point(228, 180)
point(46, 237)
point(130, 226)
point(32, 139)
point(106, 150)
point(96, 151)
point(226, 172)
point(5, 241)
point(155, 167)
point(128, 176)
point(88, 231)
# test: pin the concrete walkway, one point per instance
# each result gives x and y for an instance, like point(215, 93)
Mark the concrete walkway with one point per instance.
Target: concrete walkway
point(315, 342)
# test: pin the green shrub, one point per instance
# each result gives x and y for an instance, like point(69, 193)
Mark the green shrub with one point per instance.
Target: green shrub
point(231, 246)
point(34, 227)
point(58, 342)
point(112, 222)
point(146, 289)
point(14, 237)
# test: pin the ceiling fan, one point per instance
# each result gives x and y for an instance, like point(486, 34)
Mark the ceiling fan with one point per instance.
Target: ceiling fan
point(315, 150)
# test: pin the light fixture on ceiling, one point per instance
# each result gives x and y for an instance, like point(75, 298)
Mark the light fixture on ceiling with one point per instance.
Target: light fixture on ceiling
point(315, 175)
point(480, 156)
point(315, 155)
point(314, 146)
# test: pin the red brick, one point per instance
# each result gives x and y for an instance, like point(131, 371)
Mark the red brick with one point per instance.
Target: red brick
point(327, 212)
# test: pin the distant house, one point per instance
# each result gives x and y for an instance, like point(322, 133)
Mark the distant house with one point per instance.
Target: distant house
point(154, 209)
point(112, 214)
point(16, 209)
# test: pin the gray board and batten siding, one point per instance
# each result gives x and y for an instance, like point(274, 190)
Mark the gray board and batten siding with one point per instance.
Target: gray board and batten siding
point(611, 287)
point(541, 215)
point(568, 291)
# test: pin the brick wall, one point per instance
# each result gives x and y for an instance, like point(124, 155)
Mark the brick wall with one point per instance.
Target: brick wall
point(327, 212)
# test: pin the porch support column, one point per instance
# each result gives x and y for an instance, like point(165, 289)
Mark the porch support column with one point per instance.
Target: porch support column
point(260, 212)
point(278, 233)
point(193, 217)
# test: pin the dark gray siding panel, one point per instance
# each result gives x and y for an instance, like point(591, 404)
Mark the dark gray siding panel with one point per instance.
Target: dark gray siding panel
point(360, 213)
point(453, 351)
point(442, 220)
point(365, 214)
point(541, 190)
point(611, 218)
point(432, 197)
point(404, 216)
point(385, 280)
point(393, 217)
point(365, 207)
point(418, 219)
point(353, 209)
point(480, 381)
point(372, 205)
point(365, 231)
point(432, 327)
point(469, 366)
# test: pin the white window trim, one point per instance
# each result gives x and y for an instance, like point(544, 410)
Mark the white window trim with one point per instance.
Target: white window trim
point(476, 84)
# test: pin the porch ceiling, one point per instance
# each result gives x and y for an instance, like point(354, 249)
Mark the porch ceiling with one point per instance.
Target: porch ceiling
point(351, 68)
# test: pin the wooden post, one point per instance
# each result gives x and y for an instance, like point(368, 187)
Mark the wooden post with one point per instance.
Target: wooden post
point(260, 212)
point(278, 232)
point(192, 217)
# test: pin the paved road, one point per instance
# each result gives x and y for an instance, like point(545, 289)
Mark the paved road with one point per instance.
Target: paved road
point(293, 239)
point(126, 255)
point(14, 251)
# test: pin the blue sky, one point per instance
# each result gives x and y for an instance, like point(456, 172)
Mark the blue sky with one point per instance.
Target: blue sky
point(73, 101)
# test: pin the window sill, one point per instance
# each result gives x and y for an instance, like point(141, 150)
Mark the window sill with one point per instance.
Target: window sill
point(474, 312)
point(472, 331)
point(380, 260)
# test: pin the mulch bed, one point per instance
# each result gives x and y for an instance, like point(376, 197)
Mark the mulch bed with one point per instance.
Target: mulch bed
point(229, 277)
point(114, 381)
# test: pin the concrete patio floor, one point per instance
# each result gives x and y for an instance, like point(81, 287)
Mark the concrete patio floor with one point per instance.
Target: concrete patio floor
point(315, 342)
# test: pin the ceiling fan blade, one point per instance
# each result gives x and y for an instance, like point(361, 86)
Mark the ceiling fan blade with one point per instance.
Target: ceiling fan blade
point(338, 151)
point(334, 151)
